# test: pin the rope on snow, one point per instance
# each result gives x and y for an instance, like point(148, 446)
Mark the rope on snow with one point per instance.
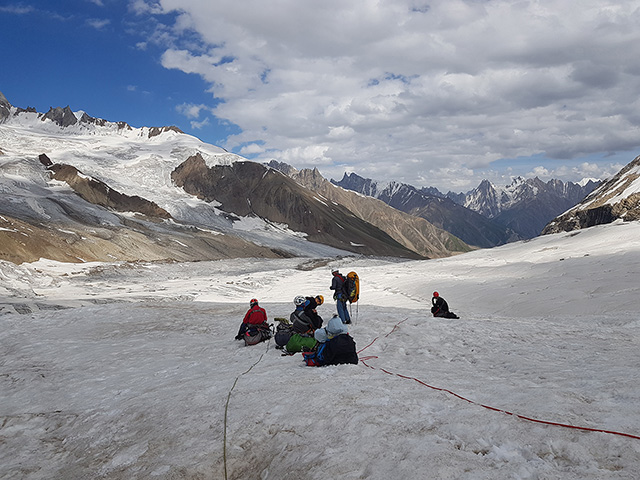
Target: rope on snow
point(226, 408)
point(522, 417)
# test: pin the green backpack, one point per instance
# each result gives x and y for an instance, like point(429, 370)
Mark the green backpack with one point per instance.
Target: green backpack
point(297, 342)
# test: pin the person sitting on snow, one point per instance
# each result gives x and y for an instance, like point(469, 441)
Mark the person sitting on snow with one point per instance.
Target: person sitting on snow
point(310, 309)
point(304, 318)
point(440, 307)
point(255, 316)
point(303, 324)
point(335, 345)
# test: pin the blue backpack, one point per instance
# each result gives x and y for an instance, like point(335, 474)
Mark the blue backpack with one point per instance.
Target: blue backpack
point(315, 358)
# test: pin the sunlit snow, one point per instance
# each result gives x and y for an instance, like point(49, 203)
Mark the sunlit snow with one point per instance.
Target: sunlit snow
point(123, 371)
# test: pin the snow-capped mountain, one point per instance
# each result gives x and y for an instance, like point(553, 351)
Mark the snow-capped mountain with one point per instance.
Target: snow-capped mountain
point(79, 188)
point(485, 216)
point(618, 198)
point(433, 206)
point(526, 206)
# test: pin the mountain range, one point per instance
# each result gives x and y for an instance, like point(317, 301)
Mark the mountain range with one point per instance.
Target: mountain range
point(485, 216)
point(79, 188)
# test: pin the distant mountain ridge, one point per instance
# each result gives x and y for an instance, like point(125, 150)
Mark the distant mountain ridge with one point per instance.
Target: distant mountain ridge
point(469, 226)
point(517, 211)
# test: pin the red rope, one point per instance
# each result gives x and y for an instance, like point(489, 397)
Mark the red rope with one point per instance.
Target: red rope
point(488, 407)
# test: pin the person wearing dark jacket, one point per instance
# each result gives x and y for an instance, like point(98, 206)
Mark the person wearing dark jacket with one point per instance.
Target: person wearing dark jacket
point(310, 309)
point(337, 285)
point(440, 307)
point(256, 315)
point(335, 345)
point(305, 318)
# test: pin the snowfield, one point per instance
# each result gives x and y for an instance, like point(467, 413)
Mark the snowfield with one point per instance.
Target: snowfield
point(130, 371)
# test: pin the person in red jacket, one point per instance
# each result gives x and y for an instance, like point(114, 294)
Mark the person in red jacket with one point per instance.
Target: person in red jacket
point(256, 315)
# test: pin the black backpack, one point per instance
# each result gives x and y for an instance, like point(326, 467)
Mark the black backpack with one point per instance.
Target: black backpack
point(284, 330)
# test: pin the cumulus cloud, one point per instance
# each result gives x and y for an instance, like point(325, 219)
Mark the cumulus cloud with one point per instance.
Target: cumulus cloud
point(410, 90)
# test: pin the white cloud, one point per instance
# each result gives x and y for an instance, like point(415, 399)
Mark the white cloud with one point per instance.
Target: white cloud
point(403, 87)
point(190, 110)
point(251, 149)
point(97, 23)
point(17, 9)
point(199, 125)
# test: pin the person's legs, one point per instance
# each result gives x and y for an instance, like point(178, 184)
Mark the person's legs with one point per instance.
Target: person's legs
point(343, 312)
point(243, 329)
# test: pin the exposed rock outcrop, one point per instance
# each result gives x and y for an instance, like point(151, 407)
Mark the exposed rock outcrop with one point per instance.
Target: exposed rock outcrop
point(5, 107)
point(61, 116)
point(249, 188)
point(618, 198)
point(99, 193)
point(411, 231)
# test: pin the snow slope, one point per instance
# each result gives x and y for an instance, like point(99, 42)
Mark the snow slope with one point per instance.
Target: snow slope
point(130, 371)
point(133, 161)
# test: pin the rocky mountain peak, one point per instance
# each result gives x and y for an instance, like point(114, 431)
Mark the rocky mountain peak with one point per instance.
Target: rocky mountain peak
point(5, 107)
point(61, 116)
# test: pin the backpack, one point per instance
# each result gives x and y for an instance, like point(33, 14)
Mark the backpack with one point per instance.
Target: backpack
point(297, 343)
point(256, 334)
point(284, 330)
point(351, 287)
point(301, 322)
point(315, 358)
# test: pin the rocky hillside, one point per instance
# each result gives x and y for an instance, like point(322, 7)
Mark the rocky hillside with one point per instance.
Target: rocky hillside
point(414, 232)
point(616, 199)
point(251, 189)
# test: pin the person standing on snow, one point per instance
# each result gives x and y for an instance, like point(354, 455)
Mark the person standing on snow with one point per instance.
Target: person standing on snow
point(338, 285)
point(440, 307)
point(256, 315)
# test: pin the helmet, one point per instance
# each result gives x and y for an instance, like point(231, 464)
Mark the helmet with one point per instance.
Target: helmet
point(436, 294)
point(334, 270)
point(299, 300)
point(319, 299)
point(253, 302)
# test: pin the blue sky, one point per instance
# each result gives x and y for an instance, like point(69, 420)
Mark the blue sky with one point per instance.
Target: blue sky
point(441, 93)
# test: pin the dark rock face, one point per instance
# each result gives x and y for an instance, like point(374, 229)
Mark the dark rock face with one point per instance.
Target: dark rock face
point(248, 188)
point(411, 231)
point(95, 121)
point(99, 193)
point(61, 116)
point(615, 199)
point(155, 131)
point(5, 108)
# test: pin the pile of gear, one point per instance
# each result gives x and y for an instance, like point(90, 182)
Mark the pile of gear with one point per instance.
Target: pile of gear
point(303, 331)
